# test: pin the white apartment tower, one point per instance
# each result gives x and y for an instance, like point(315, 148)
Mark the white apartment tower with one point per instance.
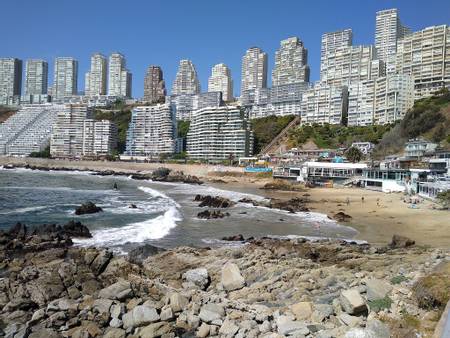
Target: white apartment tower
point(388, 31)
point(332, 41)
point(290, 63)
point(10, 79)
point(95, 78)
point(119, 78)
point(67, 134)
point(254, 69)
point(186, 81)
point(65, 80)
point(151, 131)
point(220, 81)
point(347, 65)
point(99, 138)
point(425, 55)
point(219, 133)
point(36, 77)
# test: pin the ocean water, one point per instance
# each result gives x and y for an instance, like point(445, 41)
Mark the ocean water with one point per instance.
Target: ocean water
point(166, 213)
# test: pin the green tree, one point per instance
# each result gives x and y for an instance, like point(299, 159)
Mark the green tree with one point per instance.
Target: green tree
point(354, 155)
point(43, 154)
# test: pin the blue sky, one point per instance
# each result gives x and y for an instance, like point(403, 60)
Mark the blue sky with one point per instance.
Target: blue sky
point(205, 31)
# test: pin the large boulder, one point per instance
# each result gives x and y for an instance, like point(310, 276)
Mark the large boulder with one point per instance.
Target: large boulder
point(352, 302)
point(87, 208)
point(212, 214)
point(119, 290)
point(289, 327)
point(302, 310)
point(211, 311)
point(231, 277)
point(400, 242)
point(198, 277)
point(140, 315)
point(377, 289)
point(138, 255)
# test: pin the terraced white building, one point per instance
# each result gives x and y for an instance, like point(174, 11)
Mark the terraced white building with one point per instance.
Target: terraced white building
point(219, 133)
point(28, 130)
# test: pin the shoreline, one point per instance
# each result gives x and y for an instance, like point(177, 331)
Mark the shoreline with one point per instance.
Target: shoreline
point(376, 219)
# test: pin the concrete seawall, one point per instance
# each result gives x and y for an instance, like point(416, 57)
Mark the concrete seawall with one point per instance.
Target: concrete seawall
point(131, 167)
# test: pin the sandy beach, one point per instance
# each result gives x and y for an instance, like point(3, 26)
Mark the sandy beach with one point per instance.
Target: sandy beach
point(377, 218)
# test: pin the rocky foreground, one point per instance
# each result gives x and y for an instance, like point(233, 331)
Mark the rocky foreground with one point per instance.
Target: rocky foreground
point(257, 288)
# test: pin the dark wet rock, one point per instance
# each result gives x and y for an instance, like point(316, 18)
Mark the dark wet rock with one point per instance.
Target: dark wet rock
point(340, 217)
point(293, 205)
point(235, 238)
point(138, 255)
point(133, 206)
point(87, 208)
point(212, 214)
point(213, 201)
point(401, 242)
point(167, 175)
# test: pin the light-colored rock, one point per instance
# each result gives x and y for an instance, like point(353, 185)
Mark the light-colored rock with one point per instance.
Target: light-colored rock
point(115, 322)
point(141, 315)
point(102, 305)
point(119, 290)
point(114, 333)
point(198, 277)
point(211, 312)
point(377, 289)
point(154, 330)
point(178, 302)
point(302, 310)
point(380, 329)
point(264, 327)
point(228, 328)
point(321, 312)
point(287, 327)
point(45, 333)
point(351, 321)
point(352, 302)
point(203, 330)
point(166, 313)
point(116, 310)
point(63, 304)
point(360, 333)
point(231, 277)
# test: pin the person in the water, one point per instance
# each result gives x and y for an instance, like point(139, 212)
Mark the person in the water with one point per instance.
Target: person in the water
point(115, 186)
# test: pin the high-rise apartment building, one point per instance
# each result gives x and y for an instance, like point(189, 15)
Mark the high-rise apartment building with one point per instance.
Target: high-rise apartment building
point(219, 133)
point(10, 79)
point(95, 78)
point(425, 55)
point(332, 41)
point(220, 81)
point(388, 30)
point(324, 104)
point(67, 134)
point(152, 131)
point(65, 80)
point(186, 81)
point(184, 105)
point(119, 78)
point(154, 85)
point(290, 63)
point(380, 101)
point(347, 65)
point(36, 77)
point(254, 70)
point(99, 138)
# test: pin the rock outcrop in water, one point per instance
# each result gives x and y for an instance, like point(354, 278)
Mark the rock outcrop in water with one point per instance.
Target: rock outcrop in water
point(296, 204)
point(212, 214)
point(87, 208)
point(213, 201)
point(265, 288)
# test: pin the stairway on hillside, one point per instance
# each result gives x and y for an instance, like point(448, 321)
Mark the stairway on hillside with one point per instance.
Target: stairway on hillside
point(276, 142)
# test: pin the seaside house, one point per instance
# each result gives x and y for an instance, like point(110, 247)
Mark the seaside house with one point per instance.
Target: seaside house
point(418, 148)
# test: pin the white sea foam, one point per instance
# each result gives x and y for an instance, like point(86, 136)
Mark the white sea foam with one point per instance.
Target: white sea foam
point(139, 232)
point(153, 192)
point(23, 210)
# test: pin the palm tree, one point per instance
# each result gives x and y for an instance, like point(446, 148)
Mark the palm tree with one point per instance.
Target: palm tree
point(354, 155)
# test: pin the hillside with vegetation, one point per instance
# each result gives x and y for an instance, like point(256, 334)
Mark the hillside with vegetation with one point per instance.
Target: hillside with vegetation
point(429, 119)
point(265, 129)
point(336, 136)
point(6, 112)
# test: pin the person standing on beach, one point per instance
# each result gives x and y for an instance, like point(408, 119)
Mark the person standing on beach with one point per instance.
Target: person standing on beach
point(348, 201)
point(362, 199)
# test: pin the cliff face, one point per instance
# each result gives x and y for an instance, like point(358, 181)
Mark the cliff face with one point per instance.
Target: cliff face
point(260, 288)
